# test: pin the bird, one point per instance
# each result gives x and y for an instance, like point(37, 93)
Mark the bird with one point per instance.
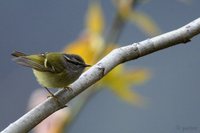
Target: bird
point(52, 69)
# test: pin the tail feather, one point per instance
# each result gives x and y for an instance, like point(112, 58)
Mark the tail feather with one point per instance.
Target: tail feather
point(18, 54)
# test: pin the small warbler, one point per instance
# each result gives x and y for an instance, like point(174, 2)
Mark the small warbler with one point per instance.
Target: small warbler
point(53, 69)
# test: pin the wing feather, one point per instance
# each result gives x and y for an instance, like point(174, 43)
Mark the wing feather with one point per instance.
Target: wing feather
point(24, 60)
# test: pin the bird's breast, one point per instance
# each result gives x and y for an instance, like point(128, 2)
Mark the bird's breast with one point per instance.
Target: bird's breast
point(54, 80)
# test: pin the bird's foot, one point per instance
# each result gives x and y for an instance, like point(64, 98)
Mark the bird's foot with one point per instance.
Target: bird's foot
point(55, 97)
point(69, 89)
point(57, 100)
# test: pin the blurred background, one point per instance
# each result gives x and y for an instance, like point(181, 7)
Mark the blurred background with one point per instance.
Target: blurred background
point(171, 94)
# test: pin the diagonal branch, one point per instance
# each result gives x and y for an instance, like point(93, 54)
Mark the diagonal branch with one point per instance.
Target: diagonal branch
point(99, 70)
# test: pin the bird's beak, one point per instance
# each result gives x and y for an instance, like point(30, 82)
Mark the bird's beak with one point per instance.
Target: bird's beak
point(86, 65)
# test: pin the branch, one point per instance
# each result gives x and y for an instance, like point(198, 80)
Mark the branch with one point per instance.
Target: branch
point(99, 70)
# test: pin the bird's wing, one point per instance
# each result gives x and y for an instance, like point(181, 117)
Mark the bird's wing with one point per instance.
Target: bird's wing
point(30, 61)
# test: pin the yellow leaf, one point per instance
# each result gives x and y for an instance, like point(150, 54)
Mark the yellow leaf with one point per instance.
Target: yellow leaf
point(128, 95)
point(144, 22)
point(137, 76)
point(94, 18)
point(120, 81)
point(124, 7)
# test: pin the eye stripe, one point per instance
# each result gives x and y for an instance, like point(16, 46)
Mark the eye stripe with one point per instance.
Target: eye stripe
point(67, 58)
point(73, 61)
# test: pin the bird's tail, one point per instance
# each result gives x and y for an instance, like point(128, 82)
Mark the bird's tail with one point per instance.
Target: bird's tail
point(18, 54)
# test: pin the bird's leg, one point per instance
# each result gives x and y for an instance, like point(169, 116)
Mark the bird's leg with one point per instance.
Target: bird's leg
point(52, 95)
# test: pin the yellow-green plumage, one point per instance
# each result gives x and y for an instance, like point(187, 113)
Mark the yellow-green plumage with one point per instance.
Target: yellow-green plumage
point(51, 80)
point(54, 69)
